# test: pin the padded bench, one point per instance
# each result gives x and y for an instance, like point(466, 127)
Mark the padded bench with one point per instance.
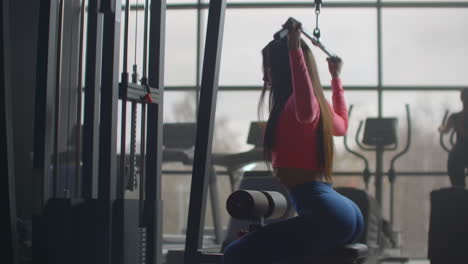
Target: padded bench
point(349, 254)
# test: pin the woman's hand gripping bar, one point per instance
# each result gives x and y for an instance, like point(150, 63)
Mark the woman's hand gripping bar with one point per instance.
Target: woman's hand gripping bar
point(284, 33)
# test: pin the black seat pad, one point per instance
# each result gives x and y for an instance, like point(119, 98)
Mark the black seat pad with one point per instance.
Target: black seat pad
point(344, 255)
point(355, 251)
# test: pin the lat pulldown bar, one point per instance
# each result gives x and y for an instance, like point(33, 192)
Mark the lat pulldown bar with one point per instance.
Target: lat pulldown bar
point(284, 33)
point(315, 37)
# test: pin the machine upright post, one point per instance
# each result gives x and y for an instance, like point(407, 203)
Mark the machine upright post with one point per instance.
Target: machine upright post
point(107, 184)
point(153, 206)
point(205, 124)
point(7, 185)
point(91, 101)
point(379, 172)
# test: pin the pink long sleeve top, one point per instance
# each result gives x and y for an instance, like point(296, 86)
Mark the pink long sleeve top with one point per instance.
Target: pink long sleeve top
point(298, 124)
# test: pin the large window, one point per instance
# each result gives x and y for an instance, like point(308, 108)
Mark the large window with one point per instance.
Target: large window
point(395, 53)
point(353, 38)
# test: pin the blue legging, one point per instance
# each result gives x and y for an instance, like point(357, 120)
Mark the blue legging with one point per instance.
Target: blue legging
point(326, 220)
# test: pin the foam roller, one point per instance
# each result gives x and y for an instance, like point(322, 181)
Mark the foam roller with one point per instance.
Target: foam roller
point(254, 205)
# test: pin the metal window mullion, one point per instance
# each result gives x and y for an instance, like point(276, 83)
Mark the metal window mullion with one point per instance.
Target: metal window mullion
point(271, 5)
point(379, 58)
point(198, 54)
point(348, 88)
point(378, 183)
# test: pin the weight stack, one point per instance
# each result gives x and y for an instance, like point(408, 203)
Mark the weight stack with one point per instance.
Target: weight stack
point(448, 229)
point(71, 231)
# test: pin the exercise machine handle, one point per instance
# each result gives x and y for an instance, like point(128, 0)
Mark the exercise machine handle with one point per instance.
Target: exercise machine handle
point(442, 143)
point(408, 142)
point(366, 172)
point(315, 41)
point(357, 139)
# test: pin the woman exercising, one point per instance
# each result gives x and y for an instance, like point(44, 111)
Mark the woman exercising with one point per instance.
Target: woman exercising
point(458, 155)
point(299, 143)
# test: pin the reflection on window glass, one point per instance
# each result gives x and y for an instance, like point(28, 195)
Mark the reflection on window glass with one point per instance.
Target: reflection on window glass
point(424, 46)
point(179, 107)
point(349, 33)
point(235, 111)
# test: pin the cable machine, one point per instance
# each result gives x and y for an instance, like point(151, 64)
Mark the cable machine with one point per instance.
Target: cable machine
point(96, 223)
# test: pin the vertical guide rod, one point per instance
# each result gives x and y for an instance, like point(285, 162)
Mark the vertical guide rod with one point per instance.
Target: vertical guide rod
point(131, 184)
point(144, 82)
point(77, 183)
point(152, 211)
point(379, 153)
point(91, 101)
point(7, 185)
point(142, 162)
point(108, 124)
point(123, 124)
point(145, 42)
point(379, 57)
point(205, 124)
